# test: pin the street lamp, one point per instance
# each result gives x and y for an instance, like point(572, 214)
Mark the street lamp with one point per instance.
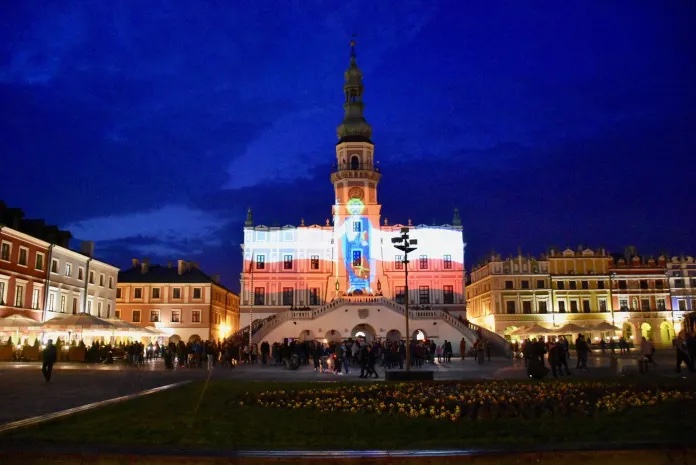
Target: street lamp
point(611, 300)
point(406, 245)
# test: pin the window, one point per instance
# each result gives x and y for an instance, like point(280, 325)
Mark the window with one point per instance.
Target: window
point(509, 285)
point(540, 283)
point(573, 285)
point(643, 283)
point(622, 284)
point(80, 273)
point(111, 282)
point(423, 262)
point(678, 283)
point(357, 258)
point(118, 292)
point(561, 307)
point(542, 307)
point(101, 280)
point(260, 262)
point(645, 304)
point(510, 307)
point(176, 316)
point(659, 285)
point(195, 316)
point(357, 226)
point(99, 309)
point(585, 284)
point(423, 294)
point(682, 305)
point(447, 294)
point(527, 307)
point(314, 262)
point(287, 296)
point(623, 305)
point(19, 296)
point(447, 262)
point(287, 262)
point(176, 293)
point(91, 277)
point(5, 251)
point(68, 269)
point(117, 314)
point(136, 316)
point(259, 296)
point(74, 305)
point(35, 299)
point(108, 310)
point(23, 258)
point(197, 292)
point(314, 296)
point(155, 292)
point(586, 306)
point(525, 284)
point(600, 284)
point(89, 307)
point(400, 296)
point(660, 304)
point(560, 285)
point(138, 293)
point(602, 305)
point(54, 266)
point(63, 303)
point(154, 316)
point(51, 302)
point(2, 293)
point(573, 306)
point(398, 262)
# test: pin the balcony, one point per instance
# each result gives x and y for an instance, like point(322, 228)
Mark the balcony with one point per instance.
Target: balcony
point(354, 167)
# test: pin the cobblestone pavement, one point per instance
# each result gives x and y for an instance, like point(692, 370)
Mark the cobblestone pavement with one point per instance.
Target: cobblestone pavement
point(25, 394)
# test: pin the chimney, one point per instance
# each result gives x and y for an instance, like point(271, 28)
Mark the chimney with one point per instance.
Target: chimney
point(135, 262)
point(87, 248)
point(145, 266)
point(216, 278)
point(181, 266)
point(169, 264)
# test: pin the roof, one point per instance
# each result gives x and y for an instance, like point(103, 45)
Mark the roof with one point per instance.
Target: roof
point(166, 274)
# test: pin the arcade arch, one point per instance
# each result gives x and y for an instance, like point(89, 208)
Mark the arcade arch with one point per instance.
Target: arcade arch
point(365, 331)
point(393, 335)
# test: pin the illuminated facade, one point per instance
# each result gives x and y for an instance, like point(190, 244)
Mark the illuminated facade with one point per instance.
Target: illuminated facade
point(181, 301)
point(345, 278)
point(585, 287)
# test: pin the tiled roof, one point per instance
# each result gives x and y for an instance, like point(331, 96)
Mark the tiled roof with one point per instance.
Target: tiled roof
point(165, 274)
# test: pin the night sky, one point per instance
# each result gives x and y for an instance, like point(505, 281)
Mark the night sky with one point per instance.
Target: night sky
point(151, 127)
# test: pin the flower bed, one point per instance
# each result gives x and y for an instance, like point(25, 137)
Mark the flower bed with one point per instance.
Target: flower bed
point(453, 401)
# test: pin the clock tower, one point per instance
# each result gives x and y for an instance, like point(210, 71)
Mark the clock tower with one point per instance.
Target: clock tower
point(356, 212)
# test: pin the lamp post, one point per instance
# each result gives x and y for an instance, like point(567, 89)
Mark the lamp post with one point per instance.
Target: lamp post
point(406, 245)
point(611, 301)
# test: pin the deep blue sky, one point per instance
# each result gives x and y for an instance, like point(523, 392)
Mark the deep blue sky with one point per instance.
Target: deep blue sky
point(151, 128)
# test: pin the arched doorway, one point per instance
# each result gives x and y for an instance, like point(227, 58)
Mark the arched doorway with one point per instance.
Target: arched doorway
point(419, 335)
point(333, 336)
point(627, 331)
point(306, 335)
point(194, 338)
point(365, 331)
point(354, 162)
point(175, 338)
point(646, 330)
point(666, 332)
point(393, 335)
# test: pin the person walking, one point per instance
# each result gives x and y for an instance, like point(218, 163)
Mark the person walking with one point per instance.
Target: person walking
point(49, 357)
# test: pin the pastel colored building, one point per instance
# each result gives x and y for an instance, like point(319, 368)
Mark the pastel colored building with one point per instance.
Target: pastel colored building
point(343, 278)
point(180, 300)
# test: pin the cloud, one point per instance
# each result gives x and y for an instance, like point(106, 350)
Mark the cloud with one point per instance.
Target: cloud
point(169, 230)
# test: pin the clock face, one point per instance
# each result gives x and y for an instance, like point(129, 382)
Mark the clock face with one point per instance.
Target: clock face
point(356, 193)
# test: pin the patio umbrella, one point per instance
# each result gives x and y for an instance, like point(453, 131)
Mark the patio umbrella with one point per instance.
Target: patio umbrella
point(78, 322)
point(536, 329)
point(571, 328)
point(15, 322)
point(606, 326)
point(519, 331)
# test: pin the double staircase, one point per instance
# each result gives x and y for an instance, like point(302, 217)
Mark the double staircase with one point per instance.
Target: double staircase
point(470, 332)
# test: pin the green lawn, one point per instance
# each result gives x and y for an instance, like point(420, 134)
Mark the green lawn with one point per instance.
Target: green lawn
point(211, 417)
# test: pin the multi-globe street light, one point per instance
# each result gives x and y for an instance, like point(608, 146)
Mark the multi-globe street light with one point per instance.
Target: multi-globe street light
point(406, 245)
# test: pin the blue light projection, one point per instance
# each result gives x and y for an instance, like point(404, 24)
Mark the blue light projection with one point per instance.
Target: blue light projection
point(356, 248)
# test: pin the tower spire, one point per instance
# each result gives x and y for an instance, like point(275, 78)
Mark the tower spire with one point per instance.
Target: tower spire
point(354, 127)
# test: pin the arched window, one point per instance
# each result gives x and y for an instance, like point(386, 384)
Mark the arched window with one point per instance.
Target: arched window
point(355, 162)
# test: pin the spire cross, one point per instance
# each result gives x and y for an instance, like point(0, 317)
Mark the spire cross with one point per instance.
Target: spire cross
point(352, 45)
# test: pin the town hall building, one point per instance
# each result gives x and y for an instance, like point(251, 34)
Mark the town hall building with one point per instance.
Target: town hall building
point(345, 278)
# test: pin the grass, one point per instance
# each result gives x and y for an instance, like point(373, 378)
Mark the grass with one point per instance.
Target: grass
point(209, 417)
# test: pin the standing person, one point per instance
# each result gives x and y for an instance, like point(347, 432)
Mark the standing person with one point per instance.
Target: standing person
point(49, 357)
point(582, 350)
point(462, 348)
